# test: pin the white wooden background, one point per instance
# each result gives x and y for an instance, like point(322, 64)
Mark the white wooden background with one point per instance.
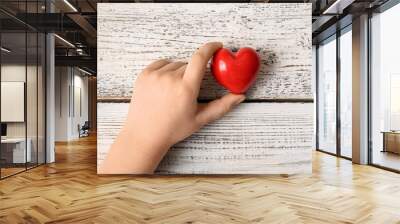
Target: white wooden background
point(257, 138)
point(260, 138)
point(133, 35)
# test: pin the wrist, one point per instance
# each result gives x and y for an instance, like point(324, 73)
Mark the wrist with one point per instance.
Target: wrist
point(134, 153)
point(143, 143)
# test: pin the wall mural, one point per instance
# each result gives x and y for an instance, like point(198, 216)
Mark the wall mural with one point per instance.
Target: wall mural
point(270, 133)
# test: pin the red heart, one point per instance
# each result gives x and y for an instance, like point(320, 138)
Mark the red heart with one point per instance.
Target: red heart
point(235, 71)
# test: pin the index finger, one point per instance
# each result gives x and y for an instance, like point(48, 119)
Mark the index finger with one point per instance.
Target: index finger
point(198, 63)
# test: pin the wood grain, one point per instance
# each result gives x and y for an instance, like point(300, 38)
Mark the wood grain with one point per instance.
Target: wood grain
point(70, 191)
point(264, 138)
point(130, 36)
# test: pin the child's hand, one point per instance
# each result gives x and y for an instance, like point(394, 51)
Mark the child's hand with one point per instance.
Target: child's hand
point(164, 111)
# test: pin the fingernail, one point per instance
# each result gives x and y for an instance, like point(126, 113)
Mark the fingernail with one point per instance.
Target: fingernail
point(241, 99)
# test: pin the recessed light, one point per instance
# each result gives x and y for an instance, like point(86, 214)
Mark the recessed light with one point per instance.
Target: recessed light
point(5, 50)
point(64, 40)
point(337, 7)
point(84, 71)
point(70, 5)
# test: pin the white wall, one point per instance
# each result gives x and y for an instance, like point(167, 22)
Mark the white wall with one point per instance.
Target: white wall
point(33, 126)
point(14, 72)
point(71, 102)
point(17, 72)
point(80, 104)
point(62, 82)
point(12, 101)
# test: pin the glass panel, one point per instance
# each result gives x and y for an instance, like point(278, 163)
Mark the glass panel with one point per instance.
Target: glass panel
point(13, 87)
point(41, 98)
point(32, 89)
point(346, 93)
point(31, 100)
point(327, 96)
point(385, 83)
point(23, 89)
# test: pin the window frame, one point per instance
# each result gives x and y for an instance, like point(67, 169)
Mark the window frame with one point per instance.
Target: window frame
point(334, 37)
point(381, 9)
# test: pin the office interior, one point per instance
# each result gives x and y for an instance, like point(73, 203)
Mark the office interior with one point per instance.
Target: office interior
point(334, 66)
point(48, 79)
point(44, 96)
point(48, 66)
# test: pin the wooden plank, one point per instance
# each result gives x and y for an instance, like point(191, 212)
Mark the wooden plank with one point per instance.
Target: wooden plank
point(130, 36)
point(256, 138)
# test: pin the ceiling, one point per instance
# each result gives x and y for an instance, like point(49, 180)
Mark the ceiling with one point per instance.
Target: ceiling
point(75, 21)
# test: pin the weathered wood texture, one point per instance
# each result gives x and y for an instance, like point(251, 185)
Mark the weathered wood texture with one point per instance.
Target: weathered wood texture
point(267, 138)
point(257, 138)
point(130, 36)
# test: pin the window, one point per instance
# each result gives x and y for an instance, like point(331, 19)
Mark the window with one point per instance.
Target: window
point(346, 92)
point(385, 89)
point(327, 95)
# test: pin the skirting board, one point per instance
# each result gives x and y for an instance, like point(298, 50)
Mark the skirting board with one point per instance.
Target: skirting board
point(130, 36)
point(255, 138)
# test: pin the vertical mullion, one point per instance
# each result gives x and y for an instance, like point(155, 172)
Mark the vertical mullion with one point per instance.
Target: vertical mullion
point(369, 91)
point(73, 92)
point(317, 96)
point(26, 86)
point(37, 89)
point(69, 91)
point(45, 87)
point(338, 73)
point(0, 93)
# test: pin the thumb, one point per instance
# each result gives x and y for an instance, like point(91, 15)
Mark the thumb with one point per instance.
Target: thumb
point(217, 108)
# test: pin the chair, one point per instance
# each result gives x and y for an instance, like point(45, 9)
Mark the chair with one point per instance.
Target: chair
point(84, 130)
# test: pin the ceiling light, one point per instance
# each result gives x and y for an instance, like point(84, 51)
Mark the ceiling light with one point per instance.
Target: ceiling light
point(65, 41)
point(84, 71)
point(70, 5)
point(79, 51)
point(5, 50)
point(337, 7)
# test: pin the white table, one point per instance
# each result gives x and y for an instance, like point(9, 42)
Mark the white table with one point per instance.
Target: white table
point(19, 153)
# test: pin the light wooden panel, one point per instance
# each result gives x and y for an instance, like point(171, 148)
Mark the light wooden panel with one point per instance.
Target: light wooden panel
point(70, 191)
point(267, 138)
point(12, 101)
point(130, 36)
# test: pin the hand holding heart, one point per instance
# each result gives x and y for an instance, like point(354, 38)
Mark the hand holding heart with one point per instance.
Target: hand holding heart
point(164, 110)
point(235, 71)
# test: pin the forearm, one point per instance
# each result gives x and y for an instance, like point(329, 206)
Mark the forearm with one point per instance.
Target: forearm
point(131, 155)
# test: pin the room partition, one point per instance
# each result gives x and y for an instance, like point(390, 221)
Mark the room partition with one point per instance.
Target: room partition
point(22, 76)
